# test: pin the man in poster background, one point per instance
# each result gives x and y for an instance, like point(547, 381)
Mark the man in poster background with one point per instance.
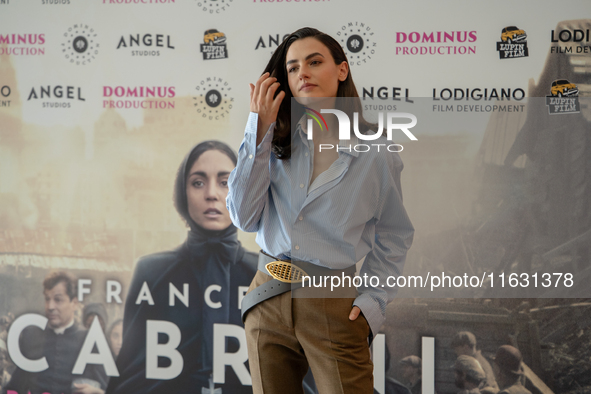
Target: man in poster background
point(59, 343)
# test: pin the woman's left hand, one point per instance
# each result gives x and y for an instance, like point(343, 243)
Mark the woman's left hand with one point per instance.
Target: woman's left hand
point(354, 313)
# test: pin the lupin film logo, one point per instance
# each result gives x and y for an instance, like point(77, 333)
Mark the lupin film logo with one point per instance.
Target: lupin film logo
point(213, 101)
point(214, 6)
point(214, 45)
point(563, 98)
point(80, 45)
point(358, 42)
point(513, 43)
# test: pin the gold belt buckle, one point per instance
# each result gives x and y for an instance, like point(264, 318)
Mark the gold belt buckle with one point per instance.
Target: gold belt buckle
point(285, 271)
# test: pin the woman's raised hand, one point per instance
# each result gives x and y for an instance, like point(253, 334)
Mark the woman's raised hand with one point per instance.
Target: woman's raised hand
point(263, 103)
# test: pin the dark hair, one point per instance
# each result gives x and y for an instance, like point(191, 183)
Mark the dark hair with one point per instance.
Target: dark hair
point(56, 277)
point(276, 68)
point(180, 185)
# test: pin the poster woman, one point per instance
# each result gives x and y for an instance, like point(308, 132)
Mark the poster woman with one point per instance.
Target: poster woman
point(214, 267)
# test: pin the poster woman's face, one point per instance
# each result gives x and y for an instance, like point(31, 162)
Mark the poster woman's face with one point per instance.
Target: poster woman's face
point(207, 188)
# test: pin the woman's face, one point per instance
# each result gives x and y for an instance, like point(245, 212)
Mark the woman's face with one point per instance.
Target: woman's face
point(207, 188)
point(311, 69)
point(116, 339)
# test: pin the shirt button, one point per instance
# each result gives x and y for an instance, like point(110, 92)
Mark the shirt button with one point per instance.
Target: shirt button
point(250, 156)
point(306, 154)
point(301, 218)
point(301, 185)
point(297, 247)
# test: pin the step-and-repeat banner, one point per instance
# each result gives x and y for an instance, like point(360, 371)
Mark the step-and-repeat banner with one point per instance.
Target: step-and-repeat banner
point(101, 101)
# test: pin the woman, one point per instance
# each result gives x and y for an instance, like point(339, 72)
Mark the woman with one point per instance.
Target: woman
point(213, 268)
point(326, 210)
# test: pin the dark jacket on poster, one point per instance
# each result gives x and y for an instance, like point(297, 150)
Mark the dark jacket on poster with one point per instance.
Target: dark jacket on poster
point(61, 352)
point(417, 388)
point(206, 258)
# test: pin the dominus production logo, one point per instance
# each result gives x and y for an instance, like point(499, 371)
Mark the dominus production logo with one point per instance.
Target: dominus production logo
point(513, 43)
point(212, 100)
point(80, 45)
point(214, 45)
point(214, 6)
point(358, 42)
point(563, 98)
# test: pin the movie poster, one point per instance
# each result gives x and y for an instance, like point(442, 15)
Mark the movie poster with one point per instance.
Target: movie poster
point(108, 283)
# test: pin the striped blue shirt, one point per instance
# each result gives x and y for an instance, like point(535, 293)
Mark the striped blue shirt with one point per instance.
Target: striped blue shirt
point(350, 211)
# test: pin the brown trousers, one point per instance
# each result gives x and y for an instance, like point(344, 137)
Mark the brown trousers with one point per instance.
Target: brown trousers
point(285, 335)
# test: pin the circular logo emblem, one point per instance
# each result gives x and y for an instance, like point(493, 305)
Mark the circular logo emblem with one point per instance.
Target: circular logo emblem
point(358, 42)
point(213, 99)
point(80, 45)
point(214, 6)
point(355, 43)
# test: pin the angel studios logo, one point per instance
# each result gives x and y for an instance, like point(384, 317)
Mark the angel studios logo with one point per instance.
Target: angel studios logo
point(358, 42)
point(80, 45)
point(214, 6)
point(213, 99)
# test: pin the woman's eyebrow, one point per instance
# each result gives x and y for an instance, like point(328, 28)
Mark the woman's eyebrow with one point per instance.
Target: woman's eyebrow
point(307, 57)
point(204, 175)
point(199, 173)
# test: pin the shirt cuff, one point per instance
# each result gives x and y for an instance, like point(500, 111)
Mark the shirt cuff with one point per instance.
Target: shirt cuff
point(251, 131)
point(372, 311)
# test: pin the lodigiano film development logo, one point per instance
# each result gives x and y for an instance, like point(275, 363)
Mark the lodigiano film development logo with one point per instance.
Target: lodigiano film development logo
point(345, 130)
point(213, 101)
point(214, 45)
point(214, 6)
point(563, 98)
point(80, 45)
point(513, 43)
point(5, 92)
point(570, 41)
point(358, 42)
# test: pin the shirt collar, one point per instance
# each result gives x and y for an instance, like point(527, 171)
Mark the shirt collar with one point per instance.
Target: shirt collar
point(343, 144)
point(61, 330)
